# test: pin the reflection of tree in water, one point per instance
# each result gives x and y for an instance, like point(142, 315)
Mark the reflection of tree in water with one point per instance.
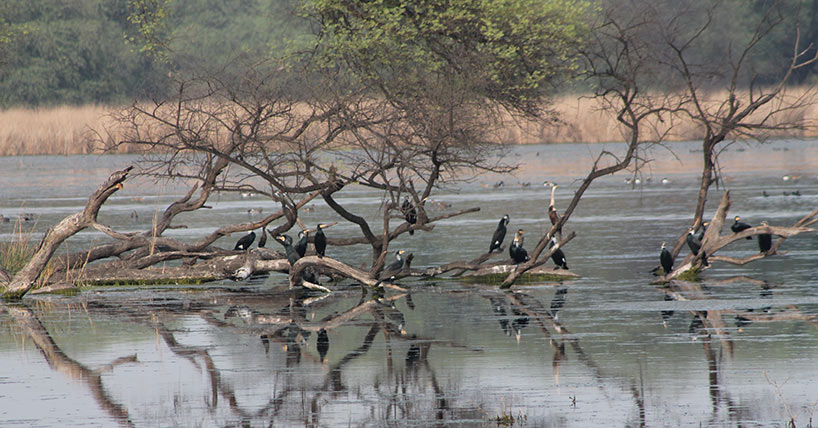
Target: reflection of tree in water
point(705, 325)
point(25, 319)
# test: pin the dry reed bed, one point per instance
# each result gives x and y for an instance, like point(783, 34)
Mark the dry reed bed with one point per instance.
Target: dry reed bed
point(68, 130)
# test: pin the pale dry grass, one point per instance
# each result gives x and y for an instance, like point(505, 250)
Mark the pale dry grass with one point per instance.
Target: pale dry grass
point(59, 130)
point(81, 130)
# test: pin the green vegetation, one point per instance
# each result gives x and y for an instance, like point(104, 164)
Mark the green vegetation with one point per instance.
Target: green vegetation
point(526, 278)
point(110, 51)
point(690, 275)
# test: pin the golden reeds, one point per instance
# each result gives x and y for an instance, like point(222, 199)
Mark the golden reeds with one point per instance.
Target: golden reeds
point(79, 130)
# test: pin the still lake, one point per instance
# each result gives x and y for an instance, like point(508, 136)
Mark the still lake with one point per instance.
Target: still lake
point(607, 349)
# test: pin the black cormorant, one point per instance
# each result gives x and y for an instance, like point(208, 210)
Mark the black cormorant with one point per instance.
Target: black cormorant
point(499, 234)
point(262, 240)
point(558, 256)
point(739, 226)
point(666, 260)
point(292, 257)
point(397, 264)
point(245, 241)
point(301, 246)
point(320, 241)
point(765, 240)
point(695, 244)
point(410, 213)
point(516, 251)
point(287, 242)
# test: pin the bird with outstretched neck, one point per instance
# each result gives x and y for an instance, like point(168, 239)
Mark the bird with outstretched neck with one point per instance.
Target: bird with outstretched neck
point(499, 234)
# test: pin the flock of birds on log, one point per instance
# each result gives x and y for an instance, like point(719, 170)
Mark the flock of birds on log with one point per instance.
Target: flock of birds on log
point(518, 254)
point(694, 242)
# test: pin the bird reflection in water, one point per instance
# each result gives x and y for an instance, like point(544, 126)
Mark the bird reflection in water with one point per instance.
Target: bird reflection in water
point(322, 344)
point(498, 307)
point(666, 315)
point(558, 301)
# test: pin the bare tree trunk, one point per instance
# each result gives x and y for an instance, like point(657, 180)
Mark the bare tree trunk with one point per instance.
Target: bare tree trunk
point(27, 277)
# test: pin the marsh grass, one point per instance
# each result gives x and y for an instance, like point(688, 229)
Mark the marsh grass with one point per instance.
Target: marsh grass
point(89, 129)
point(16, 253)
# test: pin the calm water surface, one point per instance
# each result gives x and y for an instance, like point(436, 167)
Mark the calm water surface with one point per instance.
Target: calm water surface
point(608, 349)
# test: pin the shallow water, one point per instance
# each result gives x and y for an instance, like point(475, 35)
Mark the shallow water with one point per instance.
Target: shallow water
point(608, 349)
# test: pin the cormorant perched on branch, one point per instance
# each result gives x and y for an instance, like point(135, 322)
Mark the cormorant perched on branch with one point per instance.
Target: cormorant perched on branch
point(553, 215)
point(245, 241)
point(739, 226)
point(287, 242)
point(398, 264)
point(765, 240)
point(320, 241)
point(292, 257)
point(300, 247)
point(558, 256)
point(695, 244)
point(499, 234)
point(516, 251)
point(410, 212)
point(262, 240)
point(666, 260)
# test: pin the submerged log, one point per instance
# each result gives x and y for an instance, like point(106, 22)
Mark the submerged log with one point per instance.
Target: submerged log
point(496, 274)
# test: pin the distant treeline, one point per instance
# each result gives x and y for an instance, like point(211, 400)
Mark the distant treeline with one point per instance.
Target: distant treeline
point(55, 52)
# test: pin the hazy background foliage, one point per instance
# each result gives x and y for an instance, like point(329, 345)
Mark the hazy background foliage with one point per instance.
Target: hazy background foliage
point(85, 51)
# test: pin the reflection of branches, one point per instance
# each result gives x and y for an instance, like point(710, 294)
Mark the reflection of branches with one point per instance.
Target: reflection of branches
point(545, 319)
point(56, 358)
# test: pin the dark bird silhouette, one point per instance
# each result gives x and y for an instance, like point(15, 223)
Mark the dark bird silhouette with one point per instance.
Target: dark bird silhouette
point(765, 240)
point(739, 226)
point(322, 344)
point(410, 212)
point(666, 260)
point(320, 241)
point(695, 244)
point(516, 251)
point(245, 241)
point(262, 240)
point(558, 257)
point(287, 242)
point(499, 234)
point(300, 247)
point(292, 257)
